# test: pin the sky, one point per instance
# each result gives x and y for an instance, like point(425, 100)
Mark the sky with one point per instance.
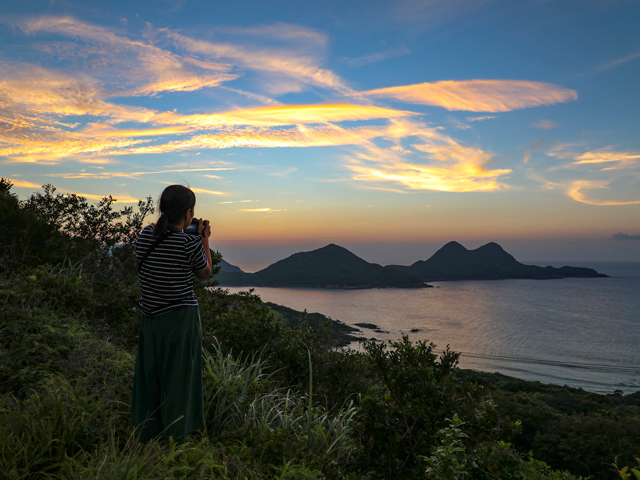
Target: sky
point(387, 127)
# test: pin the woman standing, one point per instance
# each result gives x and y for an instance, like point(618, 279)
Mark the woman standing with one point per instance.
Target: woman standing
point(167, 385)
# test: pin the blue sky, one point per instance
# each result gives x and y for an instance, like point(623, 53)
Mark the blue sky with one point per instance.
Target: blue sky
point(386, 127)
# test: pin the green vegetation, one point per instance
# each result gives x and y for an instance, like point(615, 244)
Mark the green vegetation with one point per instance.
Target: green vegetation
point(280, 401)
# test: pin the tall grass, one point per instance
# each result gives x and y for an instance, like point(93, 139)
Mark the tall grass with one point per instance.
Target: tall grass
point(241, 396)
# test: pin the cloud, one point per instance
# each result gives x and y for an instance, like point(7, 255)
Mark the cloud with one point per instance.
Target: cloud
point(35, 94)
point(437, 163)
point(237, 201)
point(106, 175)
point(139, 65)
point(281, 31)
point(208, 192)
point(545, 124)
point(479, 95)
point(622, 159)
point(283, 115)
point(261, 210)
point(625, 236)
point(377, 57)
point(481, 119)
point(91, 196)
point(24, 184)
point(603, 67)
point(300, 69)
point(252, 137)
point(577, 191)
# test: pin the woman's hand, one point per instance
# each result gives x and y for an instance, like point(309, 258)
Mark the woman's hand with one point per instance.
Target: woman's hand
point(204, 228)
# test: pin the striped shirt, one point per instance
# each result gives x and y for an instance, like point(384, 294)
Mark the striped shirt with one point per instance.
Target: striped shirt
point(166, 277)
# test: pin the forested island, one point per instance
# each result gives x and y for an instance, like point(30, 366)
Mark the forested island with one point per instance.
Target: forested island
point(336, 267)
point(281, 400)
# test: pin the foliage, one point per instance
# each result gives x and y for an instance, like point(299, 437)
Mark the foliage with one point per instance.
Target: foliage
point(414, 394)
point(281, 403)
point(626, 472)
point(449, 460)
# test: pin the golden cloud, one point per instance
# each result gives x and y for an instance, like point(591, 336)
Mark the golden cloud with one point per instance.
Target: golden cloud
point(91, 196)
point(261, 210)
point(447, 166)
point(577, 191)
point(105, 175)
point(623, 159)
point(478, 95)
point(38, 94)
point(283, 115)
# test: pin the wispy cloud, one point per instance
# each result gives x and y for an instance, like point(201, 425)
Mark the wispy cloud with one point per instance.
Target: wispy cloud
point(141, 67)
point(481, 118)
point(625, 236)
point(377, 56)
point(283, 115)
point(261, 210)
point(545, 124)
point(603, 67)
point(237, 201)
point(124, 198)
point(106, 175)
point(479, 95)
point(578, 191)
point(300, 69)
point(281, 31)
point(621, 159)
point(208, 192)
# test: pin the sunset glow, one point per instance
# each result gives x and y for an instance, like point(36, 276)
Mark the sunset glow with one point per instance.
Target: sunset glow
point(326, 124)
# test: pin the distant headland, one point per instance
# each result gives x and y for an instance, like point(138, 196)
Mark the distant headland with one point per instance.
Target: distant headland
point(333, 266)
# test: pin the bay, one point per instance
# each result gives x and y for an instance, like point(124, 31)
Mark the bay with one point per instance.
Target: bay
point(580, 332)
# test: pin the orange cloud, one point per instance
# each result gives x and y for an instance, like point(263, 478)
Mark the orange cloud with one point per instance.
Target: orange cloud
point(261, 210)
point(23, 184)
point(479, 95)
point(91, 196)
point(299, 136)
point(446, 165)
point(105, 175)
point(621, 158)
point(102, 130)
point(284, 115)
point(37, 93)
point(577, 191)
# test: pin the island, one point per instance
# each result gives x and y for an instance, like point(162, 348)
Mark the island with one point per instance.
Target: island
point(488, 262)
point(334, 266)
point(327, 267)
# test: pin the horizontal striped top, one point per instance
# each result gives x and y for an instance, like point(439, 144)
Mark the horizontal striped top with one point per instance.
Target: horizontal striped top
point(166, 277)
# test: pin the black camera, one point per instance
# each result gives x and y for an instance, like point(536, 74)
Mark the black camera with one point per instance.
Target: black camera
point(193, 228)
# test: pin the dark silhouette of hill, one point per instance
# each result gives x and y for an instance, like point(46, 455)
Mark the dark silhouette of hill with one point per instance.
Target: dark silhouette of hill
point(228, 268)
point(489, 262)
point(328, 267)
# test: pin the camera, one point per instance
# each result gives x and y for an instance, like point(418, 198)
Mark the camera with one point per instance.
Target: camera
point(193, 228)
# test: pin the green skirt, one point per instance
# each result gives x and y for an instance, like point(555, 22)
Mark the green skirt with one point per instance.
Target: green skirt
point(167, 385)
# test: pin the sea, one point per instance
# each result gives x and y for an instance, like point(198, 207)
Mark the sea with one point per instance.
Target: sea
point(580, 332)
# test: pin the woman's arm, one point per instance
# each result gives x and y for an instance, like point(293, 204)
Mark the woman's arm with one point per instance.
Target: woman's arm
point(204, 229)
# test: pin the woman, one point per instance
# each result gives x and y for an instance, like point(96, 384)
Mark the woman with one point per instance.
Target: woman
point(167, 385)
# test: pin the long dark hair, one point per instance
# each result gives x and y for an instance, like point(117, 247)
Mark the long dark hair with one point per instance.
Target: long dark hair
point(175, 201)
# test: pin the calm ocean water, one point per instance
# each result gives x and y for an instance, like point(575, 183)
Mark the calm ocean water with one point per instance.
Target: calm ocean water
point(577, 332)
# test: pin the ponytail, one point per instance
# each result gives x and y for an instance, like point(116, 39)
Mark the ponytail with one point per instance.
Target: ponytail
point(175, 201)
point(161, 225)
